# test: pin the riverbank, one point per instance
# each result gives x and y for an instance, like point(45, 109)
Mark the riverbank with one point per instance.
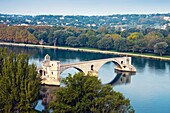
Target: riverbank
point(87, 50)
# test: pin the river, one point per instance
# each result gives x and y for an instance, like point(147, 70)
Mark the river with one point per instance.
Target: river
point(148, 90)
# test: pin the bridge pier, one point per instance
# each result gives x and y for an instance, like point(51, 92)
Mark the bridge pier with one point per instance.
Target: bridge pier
point(93, 73)
point(125, 65)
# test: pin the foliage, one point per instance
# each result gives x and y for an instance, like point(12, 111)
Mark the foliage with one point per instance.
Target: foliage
point(92, 42)
point(113, 36)
point(140, 45)
point(160, 48)
point(82, 40)
point(106, 38)
point(105, 43)
point(154, 35)
point(102, 29)
point(120, 44)
point(61, 36)
point(72, 41)
point(19, 83)
point(16, 34)
point(152, 42)
point(134, 36)
point(167, 40)
point(83, 94)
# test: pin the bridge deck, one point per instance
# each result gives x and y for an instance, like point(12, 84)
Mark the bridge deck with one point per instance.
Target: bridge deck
point(91, 61)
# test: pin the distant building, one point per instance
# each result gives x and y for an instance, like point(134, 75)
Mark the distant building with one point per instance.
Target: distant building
point(139, 26)
point(164, 26)
point(124, 19)
point(27, 20)
point(166, 18)
point(94, 25)
point(121, 27)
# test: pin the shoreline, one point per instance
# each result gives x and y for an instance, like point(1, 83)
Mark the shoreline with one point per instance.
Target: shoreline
point(85, 50)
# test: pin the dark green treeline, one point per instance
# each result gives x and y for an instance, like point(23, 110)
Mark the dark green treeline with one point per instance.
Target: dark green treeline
point(147, 40)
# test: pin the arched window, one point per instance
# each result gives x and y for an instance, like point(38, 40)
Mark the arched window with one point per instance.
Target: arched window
point(92, 67)
point(127, 60)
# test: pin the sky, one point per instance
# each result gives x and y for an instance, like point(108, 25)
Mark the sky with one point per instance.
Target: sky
point(84, 7)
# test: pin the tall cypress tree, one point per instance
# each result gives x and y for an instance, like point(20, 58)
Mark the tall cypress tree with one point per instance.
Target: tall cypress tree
point(19, 83)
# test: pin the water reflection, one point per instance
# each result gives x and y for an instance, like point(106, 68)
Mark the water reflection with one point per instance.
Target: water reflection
point(141, 63)
point(122, 78)
point(47, 94)
point(56, 54)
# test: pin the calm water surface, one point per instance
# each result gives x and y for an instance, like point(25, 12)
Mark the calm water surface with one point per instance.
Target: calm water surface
point(148, 90)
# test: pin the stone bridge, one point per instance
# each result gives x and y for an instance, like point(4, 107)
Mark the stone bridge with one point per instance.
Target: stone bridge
point(51, 70)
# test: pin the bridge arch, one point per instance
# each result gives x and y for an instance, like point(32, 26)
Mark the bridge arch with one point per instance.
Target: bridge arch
point(77, 68)
point(114, 61)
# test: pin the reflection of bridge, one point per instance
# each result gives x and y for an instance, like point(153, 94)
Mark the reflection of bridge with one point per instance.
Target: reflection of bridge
point(51, 70)
point(121, 78)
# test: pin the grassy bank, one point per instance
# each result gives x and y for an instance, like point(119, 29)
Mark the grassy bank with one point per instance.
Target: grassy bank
point(146, 55)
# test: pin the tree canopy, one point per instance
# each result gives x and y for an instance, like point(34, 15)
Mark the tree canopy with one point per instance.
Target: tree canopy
point(19, 83)
point(160, 48)
point(82, 94)
point(106, 38)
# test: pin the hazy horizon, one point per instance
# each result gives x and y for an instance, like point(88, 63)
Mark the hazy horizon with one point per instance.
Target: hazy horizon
point(80, 14)
point(87, 8)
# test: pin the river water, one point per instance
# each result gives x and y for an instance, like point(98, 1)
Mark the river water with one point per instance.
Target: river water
point(148, 90)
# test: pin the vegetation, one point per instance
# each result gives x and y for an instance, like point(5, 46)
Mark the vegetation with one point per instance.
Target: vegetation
point(130, 40)
point(83, 94)
point(19, 83)
point(16, 34)
point(160, 47)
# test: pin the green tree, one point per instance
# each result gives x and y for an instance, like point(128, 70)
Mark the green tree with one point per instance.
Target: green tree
point(31, 30)
point(120, 44)
point(83, 94)
point(51, 38)
point(105, 43)
point(153, 35)
point(19, 83)
point(91, 32)
point(160, 48)
point(167, 40)
point(140, 45)
point(113, 36)
point(72, 41)
point(61, 36)
point(82, 39)
point(134, 36)
point(102, 30)
point(152, 42)
point(92, 41)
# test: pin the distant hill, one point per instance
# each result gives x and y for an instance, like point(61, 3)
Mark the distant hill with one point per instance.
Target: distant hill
point(118, 21)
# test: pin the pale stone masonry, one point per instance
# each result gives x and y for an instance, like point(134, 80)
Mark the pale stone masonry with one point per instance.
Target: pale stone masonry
point(51, 70)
